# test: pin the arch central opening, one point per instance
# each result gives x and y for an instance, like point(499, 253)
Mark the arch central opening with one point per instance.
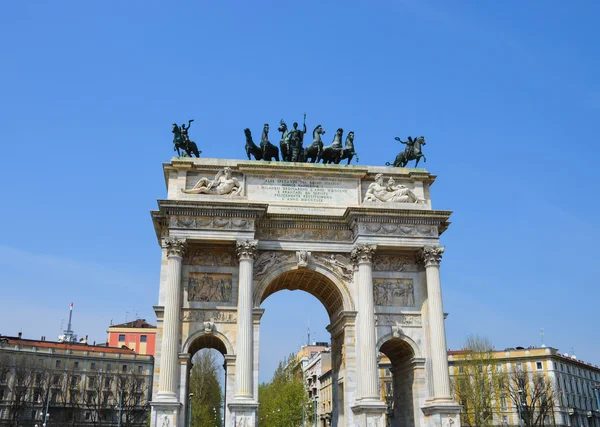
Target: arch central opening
point(312, 282)
point(297, 336)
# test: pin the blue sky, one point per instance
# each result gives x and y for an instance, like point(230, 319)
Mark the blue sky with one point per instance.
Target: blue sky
point(506, 93)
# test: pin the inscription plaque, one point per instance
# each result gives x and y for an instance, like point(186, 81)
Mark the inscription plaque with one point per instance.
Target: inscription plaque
point(315, 190)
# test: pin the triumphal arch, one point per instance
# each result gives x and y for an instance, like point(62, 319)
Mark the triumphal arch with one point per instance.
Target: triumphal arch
point(363, 240)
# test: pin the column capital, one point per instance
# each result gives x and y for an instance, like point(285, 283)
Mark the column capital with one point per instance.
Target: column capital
point(175, 247)
point(362, 253)
point(246, 249)
point(431, 255)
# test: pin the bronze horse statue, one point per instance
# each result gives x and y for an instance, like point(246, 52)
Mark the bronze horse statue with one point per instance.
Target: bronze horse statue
point(313, 151)
point(251, 147)
point(286, 153)
point(333, 152)
point(268, 150)
point(412, 152)
point(348, 151)
point(181, 141)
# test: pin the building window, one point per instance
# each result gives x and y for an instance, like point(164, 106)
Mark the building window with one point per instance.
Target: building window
point(56, 379)
point(108, 367)
point(503, 404)
point(461, 370)
point(144, 338)
point(58, 364)
point(1, 394)
point(124, 369)
point(74, 381)
point(499, 367)
point(140, 369)
point(121, 337)
point(76, 365)
point(91, 382)
point(538, 365)
point(93, 366)
point(519, 367)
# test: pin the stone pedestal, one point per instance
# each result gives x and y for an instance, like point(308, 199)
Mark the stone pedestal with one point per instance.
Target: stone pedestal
point(369, 414)
point(165, 414)
point(243, 414)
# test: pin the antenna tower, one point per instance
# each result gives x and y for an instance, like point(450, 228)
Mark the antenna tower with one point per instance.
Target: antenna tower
point(542, 337)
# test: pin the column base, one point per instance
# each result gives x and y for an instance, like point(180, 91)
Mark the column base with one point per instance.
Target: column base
point(164, 414)
point(166, 397)
point(443, 412)
point(243, 413)
point(369, 413)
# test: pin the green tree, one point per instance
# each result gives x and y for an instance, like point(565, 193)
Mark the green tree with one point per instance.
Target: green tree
point(476, 383)
point(282, 399)
point(207, 401)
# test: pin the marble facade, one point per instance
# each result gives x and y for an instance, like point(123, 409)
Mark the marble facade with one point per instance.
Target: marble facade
point(363, 240)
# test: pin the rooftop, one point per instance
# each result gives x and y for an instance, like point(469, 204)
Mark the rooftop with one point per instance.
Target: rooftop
point(134, 324)
point(4, 340)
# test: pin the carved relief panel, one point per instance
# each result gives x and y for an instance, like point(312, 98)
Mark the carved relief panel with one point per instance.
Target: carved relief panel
point(210, 287)
point(394, 292)
point(216, 257)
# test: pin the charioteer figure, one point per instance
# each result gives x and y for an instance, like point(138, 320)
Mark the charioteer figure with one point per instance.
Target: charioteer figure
point(295, 140)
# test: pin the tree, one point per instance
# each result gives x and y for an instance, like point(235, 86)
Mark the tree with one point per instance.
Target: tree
point(207, 401)
point(24, 372)
point(133, 393)
point(99, 400)
point(533, 396)
point(283, 398)
point(476, 383)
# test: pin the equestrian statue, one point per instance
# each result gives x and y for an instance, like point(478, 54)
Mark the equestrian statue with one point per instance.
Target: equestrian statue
point(181, 140)
point(411, 152)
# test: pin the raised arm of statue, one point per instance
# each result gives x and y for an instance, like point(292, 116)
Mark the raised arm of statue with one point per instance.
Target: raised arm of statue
point(398, 139)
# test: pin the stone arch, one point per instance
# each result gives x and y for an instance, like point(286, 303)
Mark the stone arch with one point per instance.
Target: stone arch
point(316, 279)
point(213, 339)
point(395, 341)
point(402, 390)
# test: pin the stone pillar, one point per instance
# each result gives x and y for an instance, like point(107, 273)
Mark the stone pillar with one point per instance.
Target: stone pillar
point(169, 359)
point(432, 255)
point(362, 256)
point(369, 409)
point(246, 251)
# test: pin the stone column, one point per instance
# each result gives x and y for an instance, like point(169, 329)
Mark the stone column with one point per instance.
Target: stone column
point(362, 255)
point(432, 255)
point(169, 359)
point(246, 251)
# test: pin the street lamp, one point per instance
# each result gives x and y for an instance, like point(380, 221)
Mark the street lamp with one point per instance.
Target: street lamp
point(190, 409)
point(520, 393)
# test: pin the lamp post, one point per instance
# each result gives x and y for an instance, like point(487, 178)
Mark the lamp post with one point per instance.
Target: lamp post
point(190, 409)
point(520, 393)
point(120, 408)
point(46, 414)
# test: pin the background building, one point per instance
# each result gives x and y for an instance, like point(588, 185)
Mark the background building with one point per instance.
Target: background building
point(137, 335)
point(543, 385)
point(75, 383)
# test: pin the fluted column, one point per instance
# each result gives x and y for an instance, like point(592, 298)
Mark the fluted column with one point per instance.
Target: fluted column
point(362, 256)
point(432, 255)
point(169, 360)
point(246, 251)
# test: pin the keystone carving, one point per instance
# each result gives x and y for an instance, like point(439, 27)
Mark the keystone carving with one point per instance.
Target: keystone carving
point(303, 257)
